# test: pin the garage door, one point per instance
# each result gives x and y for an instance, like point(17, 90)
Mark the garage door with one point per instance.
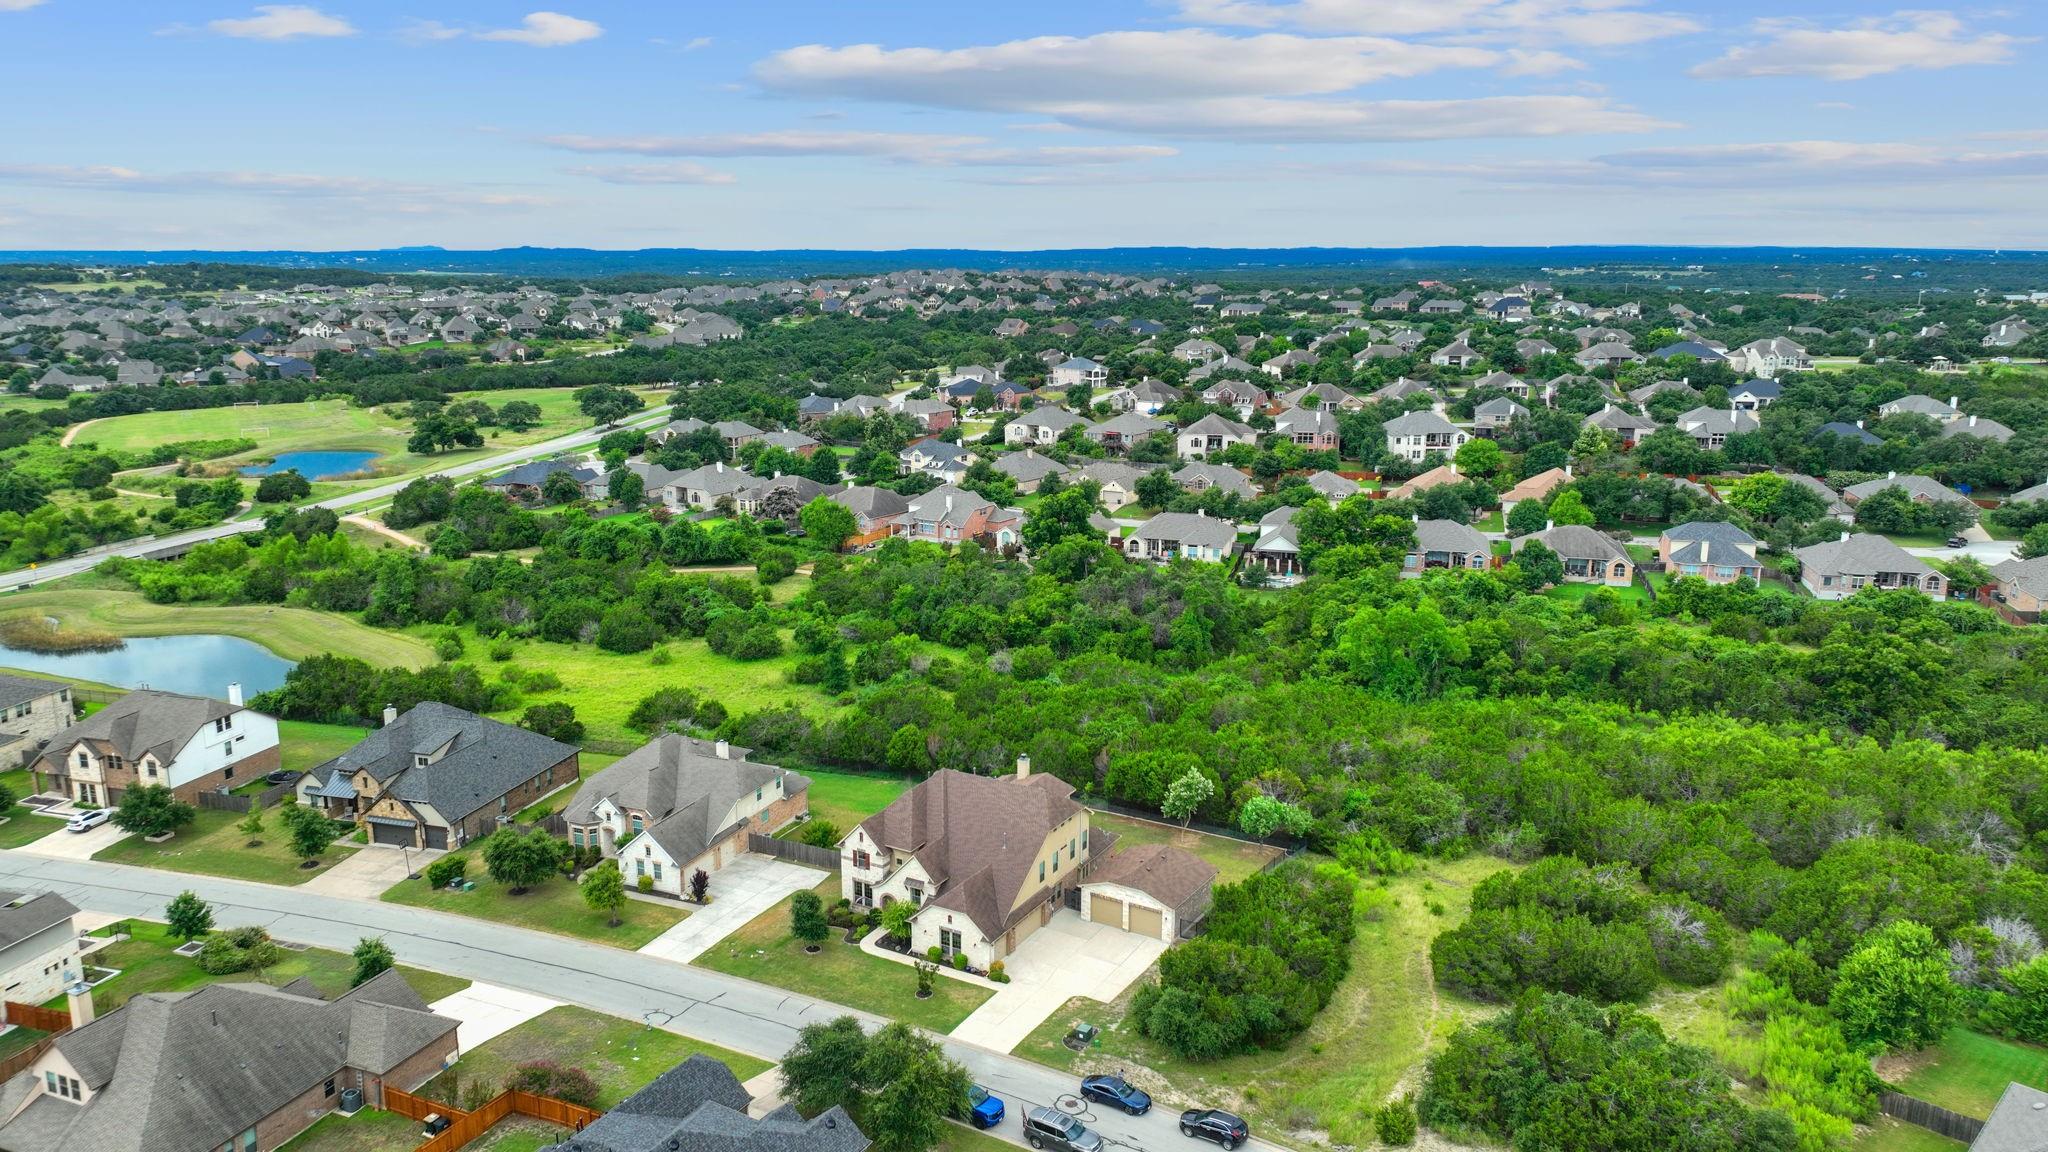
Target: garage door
point(1106, 910)
point(391, 834)
point(1146, 921)
point(437, 837)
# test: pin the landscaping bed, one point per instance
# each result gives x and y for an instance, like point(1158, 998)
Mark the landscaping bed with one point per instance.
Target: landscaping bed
point(621, 1055)
point(149, 964)
point(212, 845)
point(554, 905)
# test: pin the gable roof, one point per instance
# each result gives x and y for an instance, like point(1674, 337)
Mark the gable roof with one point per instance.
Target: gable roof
point(485, 758)
point(1859, 554)
point(1576, 542)
point(700, 1105)
point(145, 722)
point(23, 915)
point(684, 785)
point(1169, 875)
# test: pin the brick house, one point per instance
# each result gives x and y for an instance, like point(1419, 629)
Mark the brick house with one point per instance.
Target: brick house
point(190, 744)
point(32, 713)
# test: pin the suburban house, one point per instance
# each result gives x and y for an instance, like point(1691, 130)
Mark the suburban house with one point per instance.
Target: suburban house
point(2023, 585)
point(1040, 426)
point(1982, 428)
point(1456, 354)
point(1446, 544)
point(1118, 481)
point(1028, 469)
point(949, 515)
point(877, 512)
point(1173, 536)
point(1607, 354)
point(1332, 487)
point(1838, 569)
point(1414, 435)
point(1314, 429)
point(38, 947)
point(1436, 477)
point(1921, 489)
point(699, 1104)
point(1625, 426)
point(32, 713)
point(1151, 890)
point(1147, 396)
point(1590, 557)
point(1235, 394)
point(1277, 551)
point(1200, 477)
point(1914, 404)
point(1847, 431)
point(1118, 433)
point(438, 777)
point(947, 463)
point(1753, 395)
point(1537, 487)
point(1210, 435)
point(527, 481)
point(1710, 428)
point(1716, 552)
point(1492, 416)
point(1769, 358)
point(189, 744)
point(1327, 397)
point(1076, 371)
point(677, 804)
point(242, 1067)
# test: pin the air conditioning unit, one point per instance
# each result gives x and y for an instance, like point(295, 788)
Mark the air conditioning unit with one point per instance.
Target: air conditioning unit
point(351, 1101)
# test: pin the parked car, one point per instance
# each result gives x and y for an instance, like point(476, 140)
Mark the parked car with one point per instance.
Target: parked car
point(87, 821)
point(1118, 1091)
point(1211, 1124)
point(1958, 541)
point(1054, 1129)
point(984, 1109)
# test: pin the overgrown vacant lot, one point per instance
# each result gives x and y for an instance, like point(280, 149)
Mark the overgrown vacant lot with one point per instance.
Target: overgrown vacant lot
point(148, 964)
point(621, 1055)
point(1367, 1046)
point(293, 633)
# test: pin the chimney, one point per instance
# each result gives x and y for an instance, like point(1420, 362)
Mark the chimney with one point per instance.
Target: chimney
point(78, 998)
point(1891, 475)
point(1023, 765)
point(1549, 524)
point(1845, 537)
point(722, 750)
point(1567, 470)
point(1415, 516)
point(235, 688)
point(1859, 423)
point(1973, 421)
point(1955, 401)
point(390, 716)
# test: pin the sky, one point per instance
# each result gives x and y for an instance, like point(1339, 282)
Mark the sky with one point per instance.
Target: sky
point(349, 124)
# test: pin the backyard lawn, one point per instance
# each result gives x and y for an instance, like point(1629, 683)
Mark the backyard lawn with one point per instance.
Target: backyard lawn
point(1889, 1135)
point(148, 964)
point(555, 905)
point(1577, 593)
point(764, 950)
point(621, 1055)
point(1384, 1021)
point(212, 845)
point(1234, 859)
point(293, 633)
point(1968, 1071)
point(847, 798)
point(373, 1131)
point(306, 745)
point(18, 1038)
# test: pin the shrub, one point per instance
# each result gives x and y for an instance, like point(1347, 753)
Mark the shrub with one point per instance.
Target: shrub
point(935, 953)
point(447, 871)
point(547, 1078)
point(959, 961)
point(644, 883)
point(663, 707)
point(1394, 1123)
point(896, 918)
point(819, 834)
point(219, 956)
point(557, 721)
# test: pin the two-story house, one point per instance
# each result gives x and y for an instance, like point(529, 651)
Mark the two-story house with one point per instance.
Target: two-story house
point(38, 946)
point(32, 713)
point(1413, 436)
point(189, 744)
point(1173, 536)
point(677, 804)
point(1714, 551)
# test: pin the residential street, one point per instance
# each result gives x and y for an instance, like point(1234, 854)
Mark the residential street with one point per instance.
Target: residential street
point(725, 1010)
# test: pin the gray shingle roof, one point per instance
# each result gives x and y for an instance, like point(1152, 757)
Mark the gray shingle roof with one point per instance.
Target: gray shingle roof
point(147, 721)
point(699, 1105)
point(22, 689)
point(23, 915)
point(2018, 1124)
point(1861, 554)
point(684, 786)
point(485, 759)
point(1576, 542)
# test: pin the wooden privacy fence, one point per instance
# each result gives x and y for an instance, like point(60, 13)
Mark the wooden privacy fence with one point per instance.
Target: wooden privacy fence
point(41, 1019)
point(1932, 1117)
point(795, 850)
point(466, 1126)
point(229, 802)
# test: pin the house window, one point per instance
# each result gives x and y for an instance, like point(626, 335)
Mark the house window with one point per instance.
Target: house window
point(501, 805)
point(1041, 871)
point(149, 770)
point(636, 824)
point(640, 867)
point(949, 940)
point(757, 795)
point(657, 869)
point(84, 761)
point(862, 860)
point(863, 893)
point(330, 1086)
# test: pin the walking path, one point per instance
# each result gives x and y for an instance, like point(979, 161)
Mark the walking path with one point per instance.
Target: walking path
point(383, 529)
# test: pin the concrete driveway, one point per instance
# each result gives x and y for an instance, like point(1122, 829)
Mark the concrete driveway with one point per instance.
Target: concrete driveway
point(62, 845)
point(367, 872)
point(1068, 957)
point(487, 1010)
point(740, 891)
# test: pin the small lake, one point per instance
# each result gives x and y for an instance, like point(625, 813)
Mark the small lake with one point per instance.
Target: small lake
point(195, 665)
point(314, 465)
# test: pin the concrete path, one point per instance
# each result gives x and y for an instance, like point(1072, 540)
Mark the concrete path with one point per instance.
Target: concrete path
point(365, 873)
point(1068, 957)
point(487, 1010)
point(740, 891)
point(63, 845)
point(710, 1006)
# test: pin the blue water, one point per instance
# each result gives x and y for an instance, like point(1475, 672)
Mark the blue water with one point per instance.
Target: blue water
point(314, 465)
point(195, 665)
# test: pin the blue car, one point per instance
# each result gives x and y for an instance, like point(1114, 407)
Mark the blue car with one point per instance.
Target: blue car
point(1118, 1091)
point(984, 1110)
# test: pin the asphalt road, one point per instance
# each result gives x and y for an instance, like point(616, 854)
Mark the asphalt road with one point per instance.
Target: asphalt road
point(725, 1010)
point(84, 561)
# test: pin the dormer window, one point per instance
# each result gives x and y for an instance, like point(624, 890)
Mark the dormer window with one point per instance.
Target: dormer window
point(419, 761)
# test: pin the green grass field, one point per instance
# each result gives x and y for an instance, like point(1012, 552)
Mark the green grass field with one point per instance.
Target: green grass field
point(306, 746)
point(1385, 1020)
point(212, 845)
point(1968, 1071)
point(555, 905)
point(1577, 593)
point(1889, 1135)
point(764, 950)
point(847, 798)
point(148, 964)
point(621, 1055)
point(24, 826)
point(293, 633)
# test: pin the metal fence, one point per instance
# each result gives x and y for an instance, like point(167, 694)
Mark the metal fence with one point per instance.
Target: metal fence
point(1932, 1117)
point(794, 850)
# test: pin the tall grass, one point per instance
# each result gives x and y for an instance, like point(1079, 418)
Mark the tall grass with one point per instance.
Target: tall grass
point(33, 633)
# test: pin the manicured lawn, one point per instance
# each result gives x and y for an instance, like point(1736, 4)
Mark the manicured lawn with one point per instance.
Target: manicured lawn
point(19, 1039)
point(213, 846)
point(1576, 593)
point(1234, 859)
point(1385, 1020)
point(764, 950)
point(961, 1138)
point(369, 1130)
point(847, 798)
point(293, 633)
point(1889, 1135)
point(24, 826)
point(306, 745)
point(621, 1055)
point(556, 905)
point(1968, 1071)
point(148, 964)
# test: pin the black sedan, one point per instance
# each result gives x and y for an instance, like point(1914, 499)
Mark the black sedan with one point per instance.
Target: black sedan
point(1118, 1091)
point(1210, 1124)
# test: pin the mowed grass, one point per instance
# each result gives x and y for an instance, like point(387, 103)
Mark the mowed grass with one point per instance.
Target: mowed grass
point(554, 905)
point(847, 798)
point(293, 633)
point(149, 964)
point(212, 845)
point(369, 1130)
point(1234, 859)
point(25, 826)
point(306, 745)
point(621, 1055)
point(1889, 1135)
point(1968, 1071)
point(839, 972)
point(1368, 1045)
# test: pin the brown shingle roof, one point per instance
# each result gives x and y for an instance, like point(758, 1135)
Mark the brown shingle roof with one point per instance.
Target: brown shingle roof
point(1167, 874)
point(976, 836)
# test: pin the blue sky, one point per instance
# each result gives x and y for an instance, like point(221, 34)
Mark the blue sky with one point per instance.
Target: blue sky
point(365, 123)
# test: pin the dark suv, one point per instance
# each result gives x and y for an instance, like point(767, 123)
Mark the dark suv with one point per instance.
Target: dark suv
point(1210, 1124)
point(1054, 1129)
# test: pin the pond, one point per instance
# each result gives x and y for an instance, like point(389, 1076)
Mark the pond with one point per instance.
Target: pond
point(314, 465)
point(195, 665)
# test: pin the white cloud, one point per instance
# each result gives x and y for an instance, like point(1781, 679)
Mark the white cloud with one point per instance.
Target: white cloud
point(546, 30)
point(1590, 23)
point(674, 172)
point(1770, 166)
point(18, 5)
point(1873, 46)
point(283, 22)
point(906, 147)
point(395, 195)
point(428, 32)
